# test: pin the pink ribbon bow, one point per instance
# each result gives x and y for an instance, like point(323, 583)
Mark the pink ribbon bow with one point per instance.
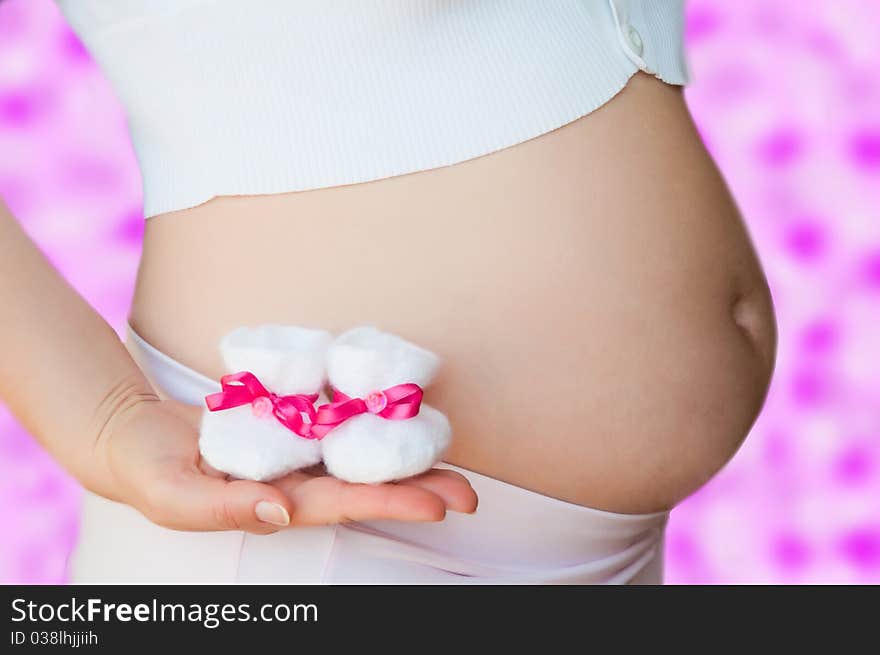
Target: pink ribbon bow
point(244, 388)
point(399, 402)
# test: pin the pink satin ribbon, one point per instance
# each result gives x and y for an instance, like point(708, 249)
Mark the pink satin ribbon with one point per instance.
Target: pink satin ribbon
point(402, 401)
point(245, 389)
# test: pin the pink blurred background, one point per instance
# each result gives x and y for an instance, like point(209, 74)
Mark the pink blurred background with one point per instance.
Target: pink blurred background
point(787, 97)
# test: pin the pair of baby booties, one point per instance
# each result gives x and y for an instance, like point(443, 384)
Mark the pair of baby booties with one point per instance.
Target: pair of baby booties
point(249, 442)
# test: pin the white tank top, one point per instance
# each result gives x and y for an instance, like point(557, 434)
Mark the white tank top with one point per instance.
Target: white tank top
point(225, 97)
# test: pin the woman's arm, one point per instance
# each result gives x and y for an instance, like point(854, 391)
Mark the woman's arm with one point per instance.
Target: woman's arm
point(63, 371)
point(67, 377)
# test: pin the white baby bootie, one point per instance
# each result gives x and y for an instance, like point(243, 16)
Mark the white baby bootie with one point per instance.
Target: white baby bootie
point(377, 429)
point(258, 426)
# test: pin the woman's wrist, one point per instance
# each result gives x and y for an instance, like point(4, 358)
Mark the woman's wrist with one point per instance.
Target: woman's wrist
point(93, 466)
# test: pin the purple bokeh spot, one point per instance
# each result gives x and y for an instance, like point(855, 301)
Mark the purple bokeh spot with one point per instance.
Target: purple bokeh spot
point(130, 230)
point(682, 549)
point(781, 147)
point(72, 47)
point(864, 148)
point(820, 337)
point(19, 108)
point(871, 270)
point(862, 547)
point(824, 43)
point(48, 488)
point(806, 240)
point(701, 22)
point(791, 552)
point(809, 387)
point(854, 465)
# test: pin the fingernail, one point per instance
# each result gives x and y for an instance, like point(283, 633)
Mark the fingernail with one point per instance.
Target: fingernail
point(272, 513)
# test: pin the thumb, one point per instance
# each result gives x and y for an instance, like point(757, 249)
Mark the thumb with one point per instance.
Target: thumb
point(192, 500)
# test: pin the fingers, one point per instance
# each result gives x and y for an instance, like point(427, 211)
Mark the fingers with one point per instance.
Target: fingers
point(452, 487)
point(190, 500)
point(323, 500)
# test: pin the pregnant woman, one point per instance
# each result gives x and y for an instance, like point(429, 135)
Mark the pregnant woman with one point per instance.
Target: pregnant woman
point(515, 185)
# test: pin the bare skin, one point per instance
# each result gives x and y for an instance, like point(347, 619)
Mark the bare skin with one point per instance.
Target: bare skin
point(605, 327)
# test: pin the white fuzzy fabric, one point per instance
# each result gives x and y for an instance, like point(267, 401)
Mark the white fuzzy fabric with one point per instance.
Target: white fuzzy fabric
point(365, 359)
point(287, 360)
point(369, 448)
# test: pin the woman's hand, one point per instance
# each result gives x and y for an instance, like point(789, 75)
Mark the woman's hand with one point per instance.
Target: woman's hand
point(150, 459)
point(67, 377)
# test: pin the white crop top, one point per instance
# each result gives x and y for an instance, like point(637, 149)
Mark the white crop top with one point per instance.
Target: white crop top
point(225, 97)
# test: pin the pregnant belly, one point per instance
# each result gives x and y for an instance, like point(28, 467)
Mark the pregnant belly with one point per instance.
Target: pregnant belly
point(605, 329)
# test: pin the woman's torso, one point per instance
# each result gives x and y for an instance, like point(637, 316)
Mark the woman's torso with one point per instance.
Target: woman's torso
point(604, 325)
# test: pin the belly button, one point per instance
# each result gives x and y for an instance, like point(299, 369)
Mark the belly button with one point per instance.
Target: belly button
point(753, 314)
